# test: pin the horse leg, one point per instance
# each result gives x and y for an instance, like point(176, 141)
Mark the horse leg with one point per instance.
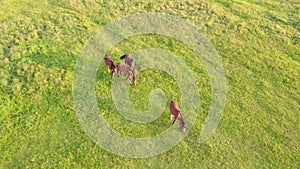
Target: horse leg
point(113, 73)
point(118, 71)
point(128, 76)
point(174, 121)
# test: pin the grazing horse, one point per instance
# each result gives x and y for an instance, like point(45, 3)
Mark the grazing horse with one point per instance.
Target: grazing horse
point(128, 60)
point(122, 68)
point(175, 111)
point(110, 64)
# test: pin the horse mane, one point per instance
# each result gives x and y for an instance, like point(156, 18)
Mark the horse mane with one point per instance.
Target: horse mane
point(123, 56)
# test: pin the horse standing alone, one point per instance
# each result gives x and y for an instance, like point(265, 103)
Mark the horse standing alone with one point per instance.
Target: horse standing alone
point(175, 111)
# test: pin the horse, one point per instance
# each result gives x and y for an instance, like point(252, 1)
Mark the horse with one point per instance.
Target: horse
point(122, 68)
point(176, 112)
point(128, 60)
point(110, 64)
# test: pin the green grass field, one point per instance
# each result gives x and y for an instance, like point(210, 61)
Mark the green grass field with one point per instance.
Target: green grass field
point(258, 41)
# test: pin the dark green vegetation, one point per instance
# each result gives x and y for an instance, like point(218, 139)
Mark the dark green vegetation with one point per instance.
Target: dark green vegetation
point(259, 42)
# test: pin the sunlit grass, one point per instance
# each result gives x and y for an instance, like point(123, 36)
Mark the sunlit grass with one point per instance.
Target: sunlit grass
point(257, 40)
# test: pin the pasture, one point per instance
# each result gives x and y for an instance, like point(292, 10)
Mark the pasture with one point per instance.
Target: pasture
point(259, 45)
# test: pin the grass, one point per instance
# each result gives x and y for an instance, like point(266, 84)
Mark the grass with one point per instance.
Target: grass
point(257, 40)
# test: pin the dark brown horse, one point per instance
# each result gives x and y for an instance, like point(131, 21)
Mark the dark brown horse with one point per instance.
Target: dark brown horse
point(110, 64)
point(175, 111)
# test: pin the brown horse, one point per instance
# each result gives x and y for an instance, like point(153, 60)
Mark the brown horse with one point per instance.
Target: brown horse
point(110, 64)
point(175, 111)
point(128, 60)
point(122, 68)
